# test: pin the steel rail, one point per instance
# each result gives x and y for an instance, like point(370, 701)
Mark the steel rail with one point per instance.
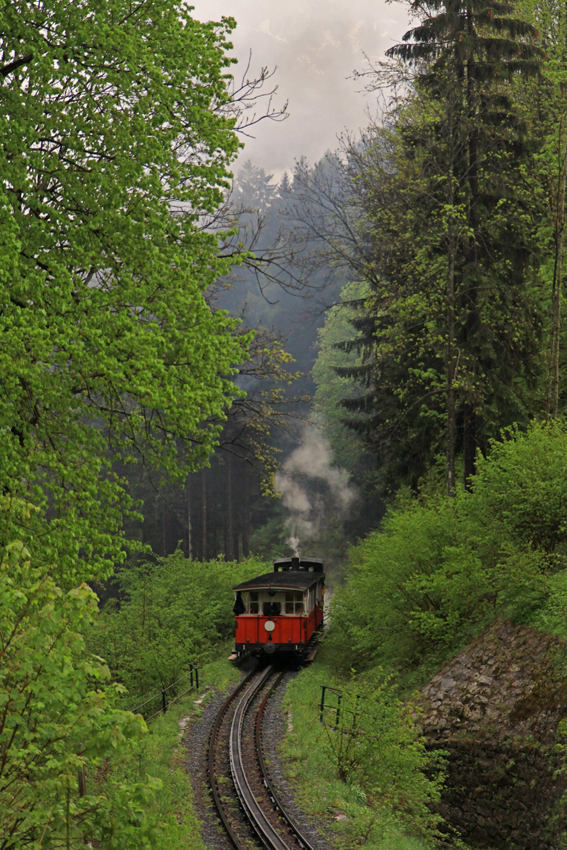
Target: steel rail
point(262, 826)
point(264, 830)
point(212, 778)
point(303, 842)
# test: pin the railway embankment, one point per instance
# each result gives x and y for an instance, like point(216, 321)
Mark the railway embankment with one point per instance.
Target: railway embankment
point(495, 708)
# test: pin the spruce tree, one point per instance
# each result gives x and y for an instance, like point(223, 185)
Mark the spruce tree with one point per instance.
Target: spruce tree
point(466, 53)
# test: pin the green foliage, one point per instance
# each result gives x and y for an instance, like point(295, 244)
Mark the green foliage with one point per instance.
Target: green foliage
point(552, 617)
point(440, 569)
point(332, 388)
point(451, 333)
point(395, 606)
point(372, 741)
point(57, 721)
point(520, 490)
point(269, 540)
point(160, 755)
point(116, 140)
point(384, 797)
point(174, 612)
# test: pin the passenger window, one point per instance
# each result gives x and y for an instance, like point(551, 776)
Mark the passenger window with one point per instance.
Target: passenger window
point(294, 603)
point(253, 606)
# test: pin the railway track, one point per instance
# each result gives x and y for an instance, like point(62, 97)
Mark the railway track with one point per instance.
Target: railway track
point(247, 802)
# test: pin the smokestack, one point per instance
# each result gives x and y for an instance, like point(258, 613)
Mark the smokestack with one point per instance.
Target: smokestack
point(295, 563)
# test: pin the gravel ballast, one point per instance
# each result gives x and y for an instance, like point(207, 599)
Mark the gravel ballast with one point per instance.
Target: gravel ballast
point(195, 742)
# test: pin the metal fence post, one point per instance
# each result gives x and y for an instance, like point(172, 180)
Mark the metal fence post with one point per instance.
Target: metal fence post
point(339, 698)
point(191, 675)
point(355, 717)
point(322, 706)
point(196, 677)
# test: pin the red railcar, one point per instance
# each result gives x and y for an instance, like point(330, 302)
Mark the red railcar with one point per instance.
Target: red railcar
point(280, 611)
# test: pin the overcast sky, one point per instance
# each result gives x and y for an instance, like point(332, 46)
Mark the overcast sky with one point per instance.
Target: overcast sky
point(316, 46)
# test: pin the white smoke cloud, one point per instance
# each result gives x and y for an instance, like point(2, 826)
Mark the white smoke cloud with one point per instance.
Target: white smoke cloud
point(312, 460)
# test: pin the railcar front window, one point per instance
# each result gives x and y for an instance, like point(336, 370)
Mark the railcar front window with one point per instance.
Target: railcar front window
point(253, 605)
point(294, 603)
point(271, 609)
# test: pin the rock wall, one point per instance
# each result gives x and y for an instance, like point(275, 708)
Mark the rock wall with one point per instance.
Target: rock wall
point(495, 709)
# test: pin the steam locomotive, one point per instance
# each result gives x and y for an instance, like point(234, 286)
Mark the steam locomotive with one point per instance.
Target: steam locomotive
point(281, 611)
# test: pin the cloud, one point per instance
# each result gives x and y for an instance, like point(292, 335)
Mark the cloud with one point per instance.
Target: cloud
point(316, 50)
point(264, 28)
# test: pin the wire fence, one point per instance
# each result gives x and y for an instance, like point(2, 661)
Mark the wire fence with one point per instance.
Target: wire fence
point(192, 675)
point(351, 704)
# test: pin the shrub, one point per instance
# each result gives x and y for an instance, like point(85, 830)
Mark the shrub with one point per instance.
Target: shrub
point(373, 742)
point(174, 612)
point(389, 780)
point(58, 724)
point(441, 569)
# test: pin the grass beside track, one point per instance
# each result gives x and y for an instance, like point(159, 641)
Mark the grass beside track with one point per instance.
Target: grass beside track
point(304, 761)
point(162, 756)
point(351, 821)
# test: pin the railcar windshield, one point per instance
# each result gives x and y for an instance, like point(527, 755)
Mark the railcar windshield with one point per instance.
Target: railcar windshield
point(294, 603)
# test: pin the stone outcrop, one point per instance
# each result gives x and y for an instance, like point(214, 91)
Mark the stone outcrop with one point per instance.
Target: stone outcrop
point(495, 709)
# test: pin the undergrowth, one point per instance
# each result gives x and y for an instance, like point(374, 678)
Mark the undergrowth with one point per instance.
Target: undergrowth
point(355, 816)
point(162, 756)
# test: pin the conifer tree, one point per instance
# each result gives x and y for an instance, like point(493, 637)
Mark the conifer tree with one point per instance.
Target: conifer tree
point(452, 327)
point(466, 52)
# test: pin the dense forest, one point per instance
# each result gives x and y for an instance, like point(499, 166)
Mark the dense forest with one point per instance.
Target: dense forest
point(202, 370)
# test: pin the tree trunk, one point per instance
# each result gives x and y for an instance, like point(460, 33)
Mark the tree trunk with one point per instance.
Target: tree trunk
point(204, 514)
point(473, 319)
point(245, 478)
point(555, 336)
point(451, 369)
point(451, 435)
point(229, 512)
point(469, 444)
point(189, 526)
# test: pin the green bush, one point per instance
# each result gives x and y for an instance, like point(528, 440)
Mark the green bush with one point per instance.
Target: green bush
point(369, 767)
point(372, 741)
point(372, 614)
point(441, 569)
point(175, 612)
point(520, 491)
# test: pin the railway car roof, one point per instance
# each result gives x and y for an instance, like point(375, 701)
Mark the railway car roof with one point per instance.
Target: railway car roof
point(290, 579)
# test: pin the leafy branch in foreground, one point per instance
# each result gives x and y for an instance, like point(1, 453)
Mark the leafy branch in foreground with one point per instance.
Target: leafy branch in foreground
point(58, 724)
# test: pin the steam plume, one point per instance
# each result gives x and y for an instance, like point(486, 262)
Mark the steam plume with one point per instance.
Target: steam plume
point(307, 504)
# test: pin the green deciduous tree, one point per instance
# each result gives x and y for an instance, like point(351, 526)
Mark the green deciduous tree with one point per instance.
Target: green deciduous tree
point(117, 132)
point(173, 613)
point(544, 105)
point(57, 722)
